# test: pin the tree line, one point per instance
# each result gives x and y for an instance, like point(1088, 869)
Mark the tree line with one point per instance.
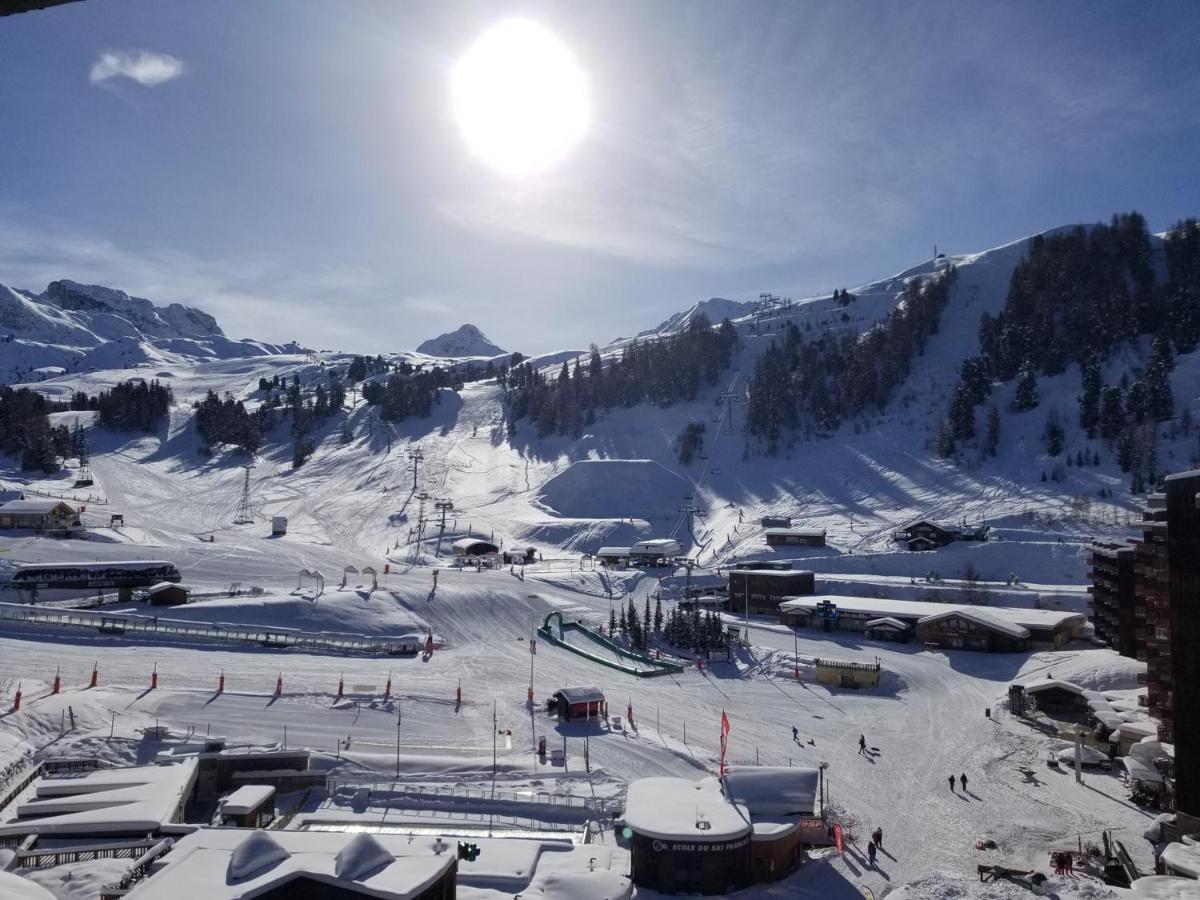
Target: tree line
point(661, 371)
point(802, 383)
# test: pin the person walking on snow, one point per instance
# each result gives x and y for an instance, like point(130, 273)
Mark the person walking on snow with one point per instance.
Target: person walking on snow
point(871, 852)
point(862, 744)
point(877, 837)
point(951, 780)
point(963, 779)
point(795, 734)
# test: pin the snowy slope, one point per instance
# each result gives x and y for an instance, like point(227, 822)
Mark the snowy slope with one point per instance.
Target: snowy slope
point(464, 341)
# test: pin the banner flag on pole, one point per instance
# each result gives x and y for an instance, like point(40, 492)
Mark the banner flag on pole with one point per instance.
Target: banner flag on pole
point(724, 739)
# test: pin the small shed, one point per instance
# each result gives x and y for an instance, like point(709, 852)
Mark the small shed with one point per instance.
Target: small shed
point(795, 537)
point(888, 629)
point(250, 806)
point(520, 556)
point(469, 546)
point(167, 593)
point(278, 526)
point(845, 673)
point(573, 703)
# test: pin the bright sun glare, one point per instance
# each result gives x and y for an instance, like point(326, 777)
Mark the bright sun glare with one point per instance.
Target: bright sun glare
point(520, 98)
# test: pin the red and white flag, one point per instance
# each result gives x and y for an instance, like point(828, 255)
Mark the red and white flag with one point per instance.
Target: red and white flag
point(724, 739)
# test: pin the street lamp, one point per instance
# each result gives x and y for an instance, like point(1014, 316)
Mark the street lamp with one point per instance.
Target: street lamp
point(399, 717)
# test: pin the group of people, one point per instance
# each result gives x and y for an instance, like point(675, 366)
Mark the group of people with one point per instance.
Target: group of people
point(875, 844)
point(962, 778)
point(1064, 863)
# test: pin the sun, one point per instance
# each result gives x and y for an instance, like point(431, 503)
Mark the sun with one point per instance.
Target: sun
point(520, 98)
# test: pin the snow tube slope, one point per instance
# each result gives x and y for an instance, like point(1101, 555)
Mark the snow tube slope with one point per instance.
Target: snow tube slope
point(650, 668)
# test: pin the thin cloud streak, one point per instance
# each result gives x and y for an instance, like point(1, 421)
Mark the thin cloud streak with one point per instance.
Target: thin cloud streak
point(146, 67)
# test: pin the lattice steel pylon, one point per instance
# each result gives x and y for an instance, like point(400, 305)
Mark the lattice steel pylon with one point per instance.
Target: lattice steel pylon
point(245, 515)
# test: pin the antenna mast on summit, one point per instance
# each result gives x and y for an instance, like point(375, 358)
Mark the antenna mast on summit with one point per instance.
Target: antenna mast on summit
point(245, 515)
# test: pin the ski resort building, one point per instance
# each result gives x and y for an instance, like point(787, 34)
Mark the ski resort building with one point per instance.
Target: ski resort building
point(1112, 606)
point(928, 535)
point(519, 556)
point(718, 835)
point(1183, 635)
point(613, 556)
point(776, 522)
point(473, 547)
point(49, 516)
point(795, 537)
point(993, 628)
point(654, 552)
point(762, 590)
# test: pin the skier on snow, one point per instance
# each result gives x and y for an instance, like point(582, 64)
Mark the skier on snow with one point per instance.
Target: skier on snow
point(871, 852)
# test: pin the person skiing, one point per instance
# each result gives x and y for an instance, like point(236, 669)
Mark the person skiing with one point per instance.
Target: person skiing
point(963, 779)
point(871, 852)
point(862, 744)
point(795, 734)
point(877, 837)
point(951, 780)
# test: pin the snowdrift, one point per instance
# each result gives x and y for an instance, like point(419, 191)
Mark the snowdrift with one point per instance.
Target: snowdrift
point(613, 489)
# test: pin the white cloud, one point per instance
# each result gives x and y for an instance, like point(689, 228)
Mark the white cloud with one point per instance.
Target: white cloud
point(143, 66)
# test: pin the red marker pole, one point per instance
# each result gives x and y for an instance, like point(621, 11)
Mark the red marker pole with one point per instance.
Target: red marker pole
point(95, 675)
point(341, 687)
point(279, 685)
point(154, 678)
point(458, 693)
point(387, 690)
point(221, 683)
point(17, 699)
point(57, 682)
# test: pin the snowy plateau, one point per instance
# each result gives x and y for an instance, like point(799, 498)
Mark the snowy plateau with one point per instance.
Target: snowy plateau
point(445, 740)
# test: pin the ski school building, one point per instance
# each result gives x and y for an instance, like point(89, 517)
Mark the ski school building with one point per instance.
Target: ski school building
point(994, 629)
point(718, 835)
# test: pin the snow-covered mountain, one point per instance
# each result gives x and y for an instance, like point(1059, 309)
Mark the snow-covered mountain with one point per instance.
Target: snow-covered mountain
point(714, 308)
point(82, 328)
point(464, 341)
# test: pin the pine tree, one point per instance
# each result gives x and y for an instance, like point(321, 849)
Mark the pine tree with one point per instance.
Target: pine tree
point(658, 616)
point(1089, 400)
point(1053, 435)
point(992, 439)
point(1026, 397)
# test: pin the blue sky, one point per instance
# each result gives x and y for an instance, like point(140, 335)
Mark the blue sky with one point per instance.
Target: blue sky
point(295, 169)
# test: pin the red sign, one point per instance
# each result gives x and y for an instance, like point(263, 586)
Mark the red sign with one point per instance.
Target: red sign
point(724, 738)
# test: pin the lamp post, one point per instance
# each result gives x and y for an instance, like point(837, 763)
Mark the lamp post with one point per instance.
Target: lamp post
point(399, 717)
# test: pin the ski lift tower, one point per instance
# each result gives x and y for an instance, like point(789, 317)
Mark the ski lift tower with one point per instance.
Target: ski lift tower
point(245, 515)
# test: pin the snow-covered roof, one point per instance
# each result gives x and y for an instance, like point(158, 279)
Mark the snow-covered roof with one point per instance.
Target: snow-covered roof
point(247, 799)
point(979, 618)
point(773, 790)
point(582, 694)
point(656, 545)
point(1141, 770)
point(913, 610)
point(249, 863)
point(1139, 729)
point(799, 532)
point(888, 622)
point(14, 887)
point(1046, 684)
point(613, 551)
point(162, 586)
point(1184, 859)
point(771, 573)
point(678, 808)
point(43, 507)
point(468, 542)
point(1163, 887)
point(107, 801)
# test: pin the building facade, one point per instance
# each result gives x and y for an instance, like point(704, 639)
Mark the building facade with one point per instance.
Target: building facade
point(1183, 633)
point(762, 590)
point(1112, 606)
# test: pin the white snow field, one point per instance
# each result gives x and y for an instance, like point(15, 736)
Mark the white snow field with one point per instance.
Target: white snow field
point(354, 504)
